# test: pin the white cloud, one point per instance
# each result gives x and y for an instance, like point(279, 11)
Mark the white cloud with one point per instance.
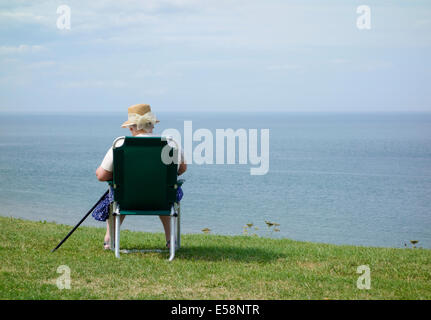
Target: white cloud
point(339, 61)
point(284, 67)
point(111, 85)
point(423, 22)
point(19, 15)
point(93, 84)
point(23, 48)
point(42, 64)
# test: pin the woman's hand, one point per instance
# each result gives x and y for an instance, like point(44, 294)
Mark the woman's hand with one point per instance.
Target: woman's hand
point(182, 168)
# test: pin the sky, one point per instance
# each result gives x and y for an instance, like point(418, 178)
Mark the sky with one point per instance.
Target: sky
point(215, 55)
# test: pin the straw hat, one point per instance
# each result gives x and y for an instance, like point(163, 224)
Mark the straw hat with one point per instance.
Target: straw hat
point(141, 115)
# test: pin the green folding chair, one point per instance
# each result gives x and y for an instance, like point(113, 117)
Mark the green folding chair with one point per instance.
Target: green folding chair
point(144, 185)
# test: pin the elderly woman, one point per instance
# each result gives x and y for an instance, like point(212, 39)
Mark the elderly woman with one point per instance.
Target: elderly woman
point(141, 124)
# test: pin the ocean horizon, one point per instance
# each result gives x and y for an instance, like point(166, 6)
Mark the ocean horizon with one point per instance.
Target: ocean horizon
point(341, 178)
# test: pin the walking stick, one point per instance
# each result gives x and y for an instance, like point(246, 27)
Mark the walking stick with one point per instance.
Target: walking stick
point(79, 223)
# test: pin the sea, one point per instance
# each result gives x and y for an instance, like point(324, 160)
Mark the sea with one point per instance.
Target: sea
point(341, 178)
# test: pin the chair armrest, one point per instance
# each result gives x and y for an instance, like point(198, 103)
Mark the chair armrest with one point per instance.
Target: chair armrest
point(180, 182)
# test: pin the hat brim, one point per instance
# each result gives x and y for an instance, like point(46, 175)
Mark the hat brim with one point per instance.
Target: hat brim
point(129, 123)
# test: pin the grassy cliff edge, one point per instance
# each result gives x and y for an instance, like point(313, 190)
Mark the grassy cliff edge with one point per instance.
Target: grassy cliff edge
point(206, 267)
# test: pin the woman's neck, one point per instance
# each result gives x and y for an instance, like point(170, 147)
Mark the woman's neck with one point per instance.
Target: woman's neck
point(138, 132)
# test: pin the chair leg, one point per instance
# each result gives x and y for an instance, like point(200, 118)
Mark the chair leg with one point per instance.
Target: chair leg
point(172, 247)
point(178, 229)
point(117, 236)
point(111, 230)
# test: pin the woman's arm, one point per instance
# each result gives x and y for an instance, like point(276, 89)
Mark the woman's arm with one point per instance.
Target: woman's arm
point(103, 175)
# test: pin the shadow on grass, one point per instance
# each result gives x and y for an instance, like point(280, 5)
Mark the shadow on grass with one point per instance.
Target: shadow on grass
point(217, 253)
point(233, 253)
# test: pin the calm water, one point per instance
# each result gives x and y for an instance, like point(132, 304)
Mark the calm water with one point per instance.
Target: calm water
point(337, 178)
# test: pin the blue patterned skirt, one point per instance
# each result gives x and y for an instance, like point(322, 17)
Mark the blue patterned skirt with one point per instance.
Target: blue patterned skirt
point(101, 212)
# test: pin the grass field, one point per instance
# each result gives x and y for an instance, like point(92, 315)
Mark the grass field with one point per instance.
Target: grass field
point(206, 267)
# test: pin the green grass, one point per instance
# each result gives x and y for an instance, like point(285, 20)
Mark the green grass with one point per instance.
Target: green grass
point(206, 267)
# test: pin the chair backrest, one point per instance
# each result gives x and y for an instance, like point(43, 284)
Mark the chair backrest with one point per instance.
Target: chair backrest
point(141, 180)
